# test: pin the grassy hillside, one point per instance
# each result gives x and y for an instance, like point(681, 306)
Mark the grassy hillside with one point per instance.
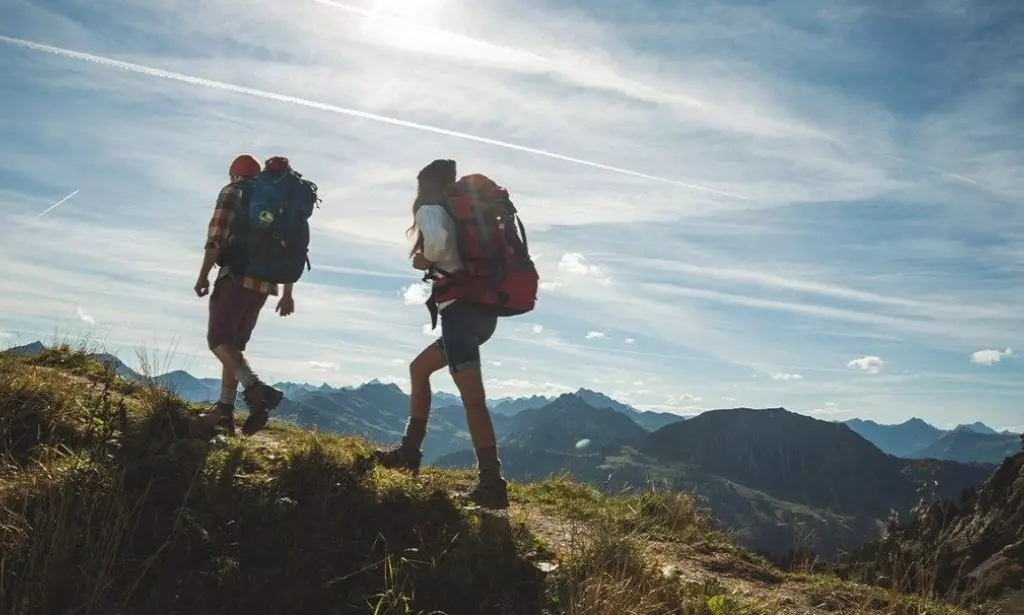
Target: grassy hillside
point(111, 501)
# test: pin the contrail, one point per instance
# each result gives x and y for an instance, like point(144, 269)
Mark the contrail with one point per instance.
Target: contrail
point(210, 83)
point(56, 205)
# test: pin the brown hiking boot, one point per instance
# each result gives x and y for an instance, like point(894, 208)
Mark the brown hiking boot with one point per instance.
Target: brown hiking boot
point(399, 458)
point(261, 399)
point(219, 415)
point(489, 491)
point(227, 419)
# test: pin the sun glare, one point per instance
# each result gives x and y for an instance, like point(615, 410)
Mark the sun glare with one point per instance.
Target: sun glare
point(423, 12)
point(413, 25)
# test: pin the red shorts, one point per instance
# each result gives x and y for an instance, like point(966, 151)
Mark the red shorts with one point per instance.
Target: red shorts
point(233, 314)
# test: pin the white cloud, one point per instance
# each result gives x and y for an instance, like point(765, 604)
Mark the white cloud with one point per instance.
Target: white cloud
point(684, 399)
point(415, 294)
point(87, 319)
point(518, 387)
point(538, 328)
point(629, 340)
point(988, 357)
point(728, 399)
point(494, 363)
point(785, 376)
point(869, 364)
point(828, 409)
point(595, 335)
point(401, 381)
point(324, 366)
point(576, 264)
point(684, 403)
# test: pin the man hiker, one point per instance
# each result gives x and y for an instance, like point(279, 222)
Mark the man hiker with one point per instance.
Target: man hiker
point(469, 294)
point(236, 301)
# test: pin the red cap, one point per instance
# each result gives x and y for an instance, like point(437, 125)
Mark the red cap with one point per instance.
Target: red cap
point(244, 165)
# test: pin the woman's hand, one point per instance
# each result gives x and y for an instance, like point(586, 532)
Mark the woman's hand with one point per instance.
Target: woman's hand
point(420, 262)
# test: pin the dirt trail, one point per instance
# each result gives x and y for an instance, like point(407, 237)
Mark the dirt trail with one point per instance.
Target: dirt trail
point(769, 591)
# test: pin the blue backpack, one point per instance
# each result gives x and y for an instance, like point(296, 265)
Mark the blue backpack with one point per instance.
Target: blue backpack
point(276, 225)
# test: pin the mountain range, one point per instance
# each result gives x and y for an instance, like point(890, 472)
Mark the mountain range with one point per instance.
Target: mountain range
point(772, 475)
point(916, 439)
point(343, 409)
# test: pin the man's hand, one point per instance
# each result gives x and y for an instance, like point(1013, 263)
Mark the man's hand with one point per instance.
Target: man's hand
point(420, 262)
point(202, 286)
point(285, 305)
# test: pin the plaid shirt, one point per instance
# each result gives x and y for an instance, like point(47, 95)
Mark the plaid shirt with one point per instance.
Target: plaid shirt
point(228, 202)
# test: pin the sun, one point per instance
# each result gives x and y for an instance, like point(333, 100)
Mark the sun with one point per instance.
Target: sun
point(407, 24)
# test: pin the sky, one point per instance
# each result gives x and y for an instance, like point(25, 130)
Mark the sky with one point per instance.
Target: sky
point(730, 203)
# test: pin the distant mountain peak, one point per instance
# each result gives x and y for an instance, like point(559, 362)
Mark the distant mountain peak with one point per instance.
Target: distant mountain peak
point(977, 427)
point(598, 399)
point(917, 422)
point(377, 384)
point(32, 349)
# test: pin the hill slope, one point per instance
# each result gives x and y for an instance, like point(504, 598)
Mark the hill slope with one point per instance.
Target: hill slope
point(967, 550)
point(114, 501)
point(789, 456)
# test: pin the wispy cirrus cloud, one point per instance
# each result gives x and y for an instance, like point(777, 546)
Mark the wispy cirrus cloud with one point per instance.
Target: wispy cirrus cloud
point(748, 207)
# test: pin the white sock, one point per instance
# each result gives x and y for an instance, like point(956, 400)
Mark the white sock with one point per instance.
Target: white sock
point(227, 395)
point(245, 376)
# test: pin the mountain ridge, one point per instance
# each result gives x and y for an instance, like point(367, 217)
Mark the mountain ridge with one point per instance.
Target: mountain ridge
point(892, 439)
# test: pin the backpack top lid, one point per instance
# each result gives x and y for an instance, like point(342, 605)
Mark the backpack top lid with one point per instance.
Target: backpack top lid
point(479, 186)
point(277, 164)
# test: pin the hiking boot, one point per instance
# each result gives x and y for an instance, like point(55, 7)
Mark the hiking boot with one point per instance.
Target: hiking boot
point(399, 458)
point(227, 419)
point(219, 415)
point(261, 399)
point(489, 491)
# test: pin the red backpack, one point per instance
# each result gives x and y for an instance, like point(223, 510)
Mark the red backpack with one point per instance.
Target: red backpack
point(498, 273)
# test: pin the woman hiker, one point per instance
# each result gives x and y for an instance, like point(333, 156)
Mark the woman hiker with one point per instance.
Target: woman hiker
point(464, 328)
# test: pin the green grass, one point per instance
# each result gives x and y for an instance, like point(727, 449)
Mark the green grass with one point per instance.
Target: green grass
point(109, 503)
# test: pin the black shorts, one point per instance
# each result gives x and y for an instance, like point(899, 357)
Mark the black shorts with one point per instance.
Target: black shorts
point(464, 328)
